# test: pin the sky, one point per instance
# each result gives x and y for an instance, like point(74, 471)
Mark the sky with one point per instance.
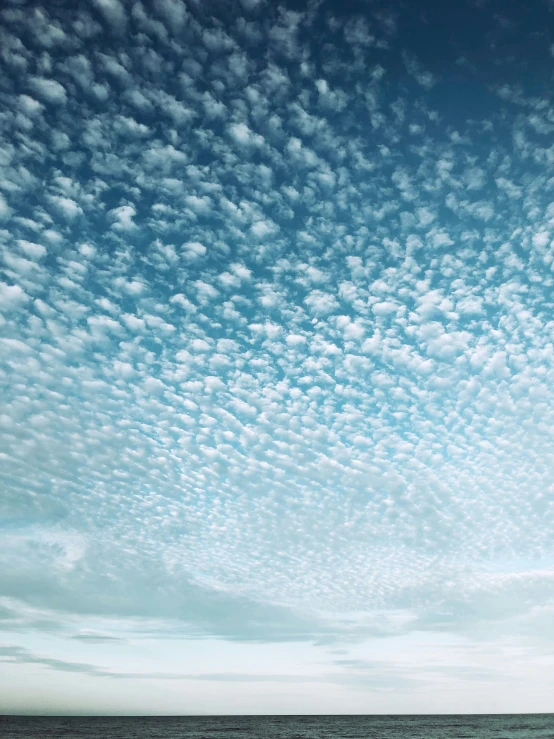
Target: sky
point(276, 295)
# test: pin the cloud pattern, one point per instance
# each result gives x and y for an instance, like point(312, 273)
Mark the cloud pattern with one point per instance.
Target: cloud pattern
point(276, 334)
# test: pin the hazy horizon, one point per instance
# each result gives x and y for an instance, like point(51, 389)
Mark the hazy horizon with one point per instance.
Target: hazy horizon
point(277, 359)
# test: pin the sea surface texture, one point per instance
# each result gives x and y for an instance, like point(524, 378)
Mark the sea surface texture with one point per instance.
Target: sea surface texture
point(282, 727)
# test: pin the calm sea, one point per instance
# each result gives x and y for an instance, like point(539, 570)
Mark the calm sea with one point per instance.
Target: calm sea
point(534, 726)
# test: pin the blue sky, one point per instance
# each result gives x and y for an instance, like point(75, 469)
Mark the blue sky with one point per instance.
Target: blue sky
point(276, 356)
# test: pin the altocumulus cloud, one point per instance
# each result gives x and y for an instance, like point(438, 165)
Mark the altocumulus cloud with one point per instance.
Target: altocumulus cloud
point(276, 335)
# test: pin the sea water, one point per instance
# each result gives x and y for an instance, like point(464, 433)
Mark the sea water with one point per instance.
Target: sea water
point(527, 726)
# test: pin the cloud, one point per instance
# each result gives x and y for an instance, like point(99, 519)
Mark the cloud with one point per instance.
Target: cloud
point(321, 303)
point(12, 296)
point(19, 655)
point(276, 331)
point(123, 217)
point(113, 12)
point(242, 134)
point(426, 79)
point(173, 12)
point(5, 210)
point(50, 91)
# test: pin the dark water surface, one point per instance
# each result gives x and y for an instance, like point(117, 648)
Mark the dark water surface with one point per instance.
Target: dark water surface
point(536, 726)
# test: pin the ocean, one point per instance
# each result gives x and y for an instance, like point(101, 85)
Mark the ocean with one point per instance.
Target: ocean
point(520, 726)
